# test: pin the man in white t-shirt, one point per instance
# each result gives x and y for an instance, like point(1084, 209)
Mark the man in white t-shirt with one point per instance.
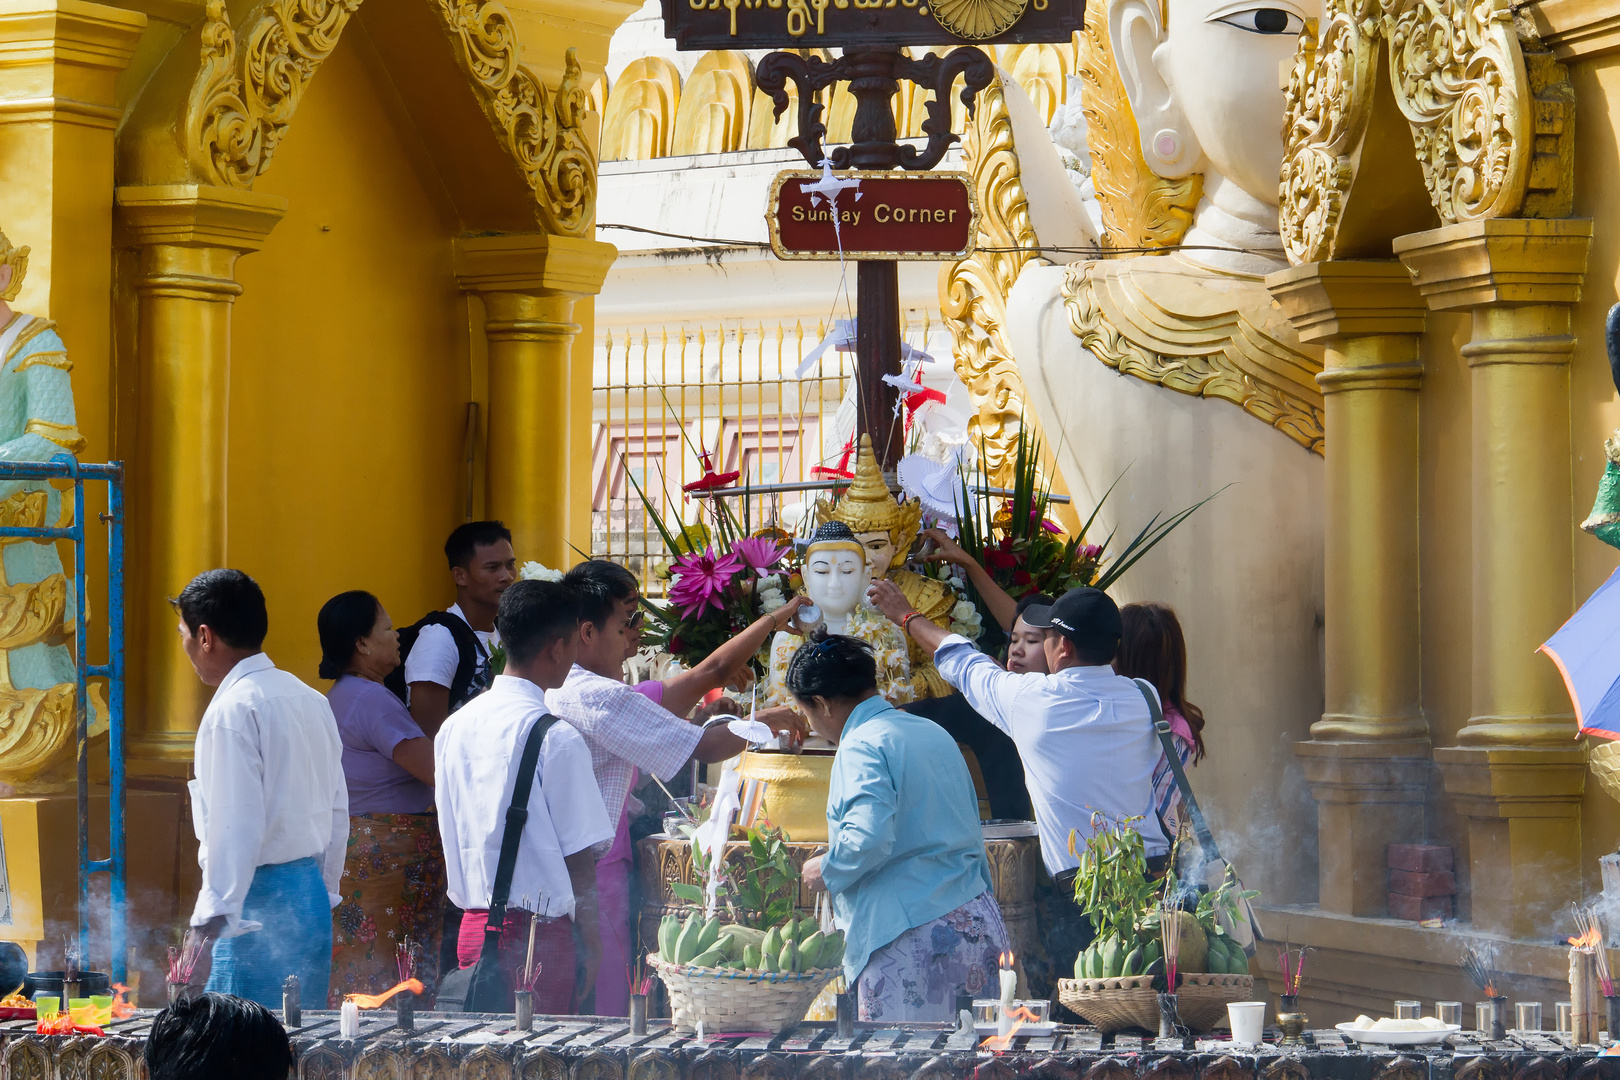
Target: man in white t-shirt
point(476, 759)
point(448, 662)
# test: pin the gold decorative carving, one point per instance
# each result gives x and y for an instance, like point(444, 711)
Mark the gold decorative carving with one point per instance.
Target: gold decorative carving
point(64, 435)
point(1459, 76)
point(56, 358)
point(973, 292)
point(713, 114)
point(638, 121)
point(243, 99)
point(543, 131)
point(1139, 207)
point(977, 20)
point(32, 612)
point(1233, 350)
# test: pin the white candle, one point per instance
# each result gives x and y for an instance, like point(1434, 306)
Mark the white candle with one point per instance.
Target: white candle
point(1009, 986)
point(349, 1021)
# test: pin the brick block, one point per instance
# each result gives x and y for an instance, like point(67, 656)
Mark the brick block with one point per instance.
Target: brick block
point(1440, 883)
point(1418, 908)
point(1420, 858)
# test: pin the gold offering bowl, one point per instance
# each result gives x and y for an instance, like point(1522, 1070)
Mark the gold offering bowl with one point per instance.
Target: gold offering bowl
point(796, 798)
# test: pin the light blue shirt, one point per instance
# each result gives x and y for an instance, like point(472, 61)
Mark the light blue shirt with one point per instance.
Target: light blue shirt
point(1086, 739)
point(905, 845)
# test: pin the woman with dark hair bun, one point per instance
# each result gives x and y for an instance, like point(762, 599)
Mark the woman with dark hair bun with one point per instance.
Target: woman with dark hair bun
point(215, 1036)
point(905, 860)
point(393, 878)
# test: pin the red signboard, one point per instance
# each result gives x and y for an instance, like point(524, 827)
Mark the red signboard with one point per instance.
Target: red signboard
point(891, 215)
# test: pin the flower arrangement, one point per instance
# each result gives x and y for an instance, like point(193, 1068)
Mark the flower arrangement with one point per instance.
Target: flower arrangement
point(1025, 552)
point(720, 581)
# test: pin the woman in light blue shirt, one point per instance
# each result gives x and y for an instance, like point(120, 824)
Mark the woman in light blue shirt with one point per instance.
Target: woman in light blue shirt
point(905, 860)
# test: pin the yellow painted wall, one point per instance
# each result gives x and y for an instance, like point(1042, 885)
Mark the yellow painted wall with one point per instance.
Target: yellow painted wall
point(349, 376)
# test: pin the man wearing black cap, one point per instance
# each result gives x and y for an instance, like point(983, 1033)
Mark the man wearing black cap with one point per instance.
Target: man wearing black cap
point(1084, 733)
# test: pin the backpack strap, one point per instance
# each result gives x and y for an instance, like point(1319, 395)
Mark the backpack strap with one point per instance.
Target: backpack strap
point(469, 651)
point(1161, 726)
point(517, 814)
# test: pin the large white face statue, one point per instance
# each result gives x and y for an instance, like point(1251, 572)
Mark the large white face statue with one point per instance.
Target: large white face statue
point(835, 578)
point(879, 547)
point(1205, 89)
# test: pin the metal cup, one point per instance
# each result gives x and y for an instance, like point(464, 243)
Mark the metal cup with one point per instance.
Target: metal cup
point(846, 1014)
point(523, 1008)
point(638, 1014)
point(1408, 1010)
point(1564, 1012)
point(1527, 1015)
point(1448, 1012)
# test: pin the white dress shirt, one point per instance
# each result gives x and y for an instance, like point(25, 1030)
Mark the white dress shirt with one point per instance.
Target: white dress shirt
point(475, 758)
point(269, 787)
point(1084, 734)
point(625, 730)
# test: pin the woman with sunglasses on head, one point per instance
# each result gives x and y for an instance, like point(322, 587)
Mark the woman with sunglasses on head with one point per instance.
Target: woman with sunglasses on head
point(905, 861)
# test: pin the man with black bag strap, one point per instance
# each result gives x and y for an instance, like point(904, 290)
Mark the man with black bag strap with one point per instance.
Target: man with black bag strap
point(519, 814)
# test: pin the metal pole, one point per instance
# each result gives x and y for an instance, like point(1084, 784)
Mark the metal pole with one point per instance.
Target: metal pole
point(81, 703)
point(115, 734)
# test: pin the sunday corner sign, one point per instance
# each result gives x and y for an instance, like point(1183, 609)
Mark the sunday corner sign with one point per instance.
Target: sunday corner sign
point(807, 24)
point(880, 215)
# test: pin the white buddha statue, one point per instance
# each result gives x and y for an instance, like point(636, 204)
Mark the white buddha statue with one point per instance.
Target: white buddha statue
point(836, 572)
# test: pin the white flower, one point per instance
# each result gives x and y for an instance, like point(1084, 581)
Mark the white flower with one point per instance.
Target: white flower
point(533, 571)
point(771, 598)
point(964, 611)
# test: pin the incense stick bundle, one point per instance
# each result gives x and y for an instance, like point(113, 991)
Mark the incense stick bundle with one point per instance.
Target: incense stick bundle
point(1583, 995)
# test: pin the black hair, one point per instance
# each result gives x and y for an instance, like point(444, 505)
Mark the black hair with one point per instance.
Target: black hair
point(344, 620)
point(831, 666)
point(217, 1035)
point(1030, 600)
point(466, 539)
point(229, 603)
point(533, 614)
point(599, 584)
point(1094, 650)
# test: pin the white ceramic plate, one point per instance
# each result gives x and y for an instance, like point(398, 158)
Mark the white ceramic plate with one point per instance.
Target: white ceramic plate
point(1400, 1038)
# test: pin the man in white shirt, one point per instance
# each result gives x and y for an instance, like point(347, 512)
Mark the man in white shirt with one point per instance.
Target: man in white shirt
point(476, 759)
point(447, 653)
point(1084, 734)
point(269, 803)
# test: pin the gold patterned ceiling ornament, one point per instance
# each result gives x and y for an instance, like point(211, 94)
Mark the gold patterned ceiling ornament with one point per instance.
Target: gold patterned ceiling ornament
point(1487, 131)
point(243, 100)
point(542, 131)
point(977, 20)
point(1139, 207)
point(36, 731)
point(973, 292)
point(1157, 319)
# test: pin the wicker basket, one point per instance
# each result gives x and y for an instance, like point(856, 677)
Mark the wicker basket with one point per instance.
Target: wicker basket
point(1130, 1001)
point(727, 1000)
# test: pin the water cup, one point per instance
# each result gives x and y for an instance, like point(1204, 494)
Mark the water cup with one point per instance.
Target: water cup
point(78, 1003)
point(1565, 1012)
point(101, 1002)
point(1527, 1015)
point(1449, 1012)
point(1248, 1019)
point(45, 1005)
point(1408, 1010)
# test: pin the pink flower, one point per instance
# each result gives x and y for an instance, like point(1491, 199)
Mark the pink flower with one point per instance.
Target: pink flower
point(698, 581)
point(1090, 551)
point(760, 553)
point(1051, 526)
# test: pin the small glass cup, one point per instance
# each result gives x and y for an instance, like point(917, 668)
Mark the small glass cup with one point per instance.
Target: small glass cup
point(78, 1003)
point(1482, 1017)
point(1408, 1010)
point(102, 1002)
point(47, 1005)
point(1448, 1012)
point(1564, 1014)
point(1527, 1015)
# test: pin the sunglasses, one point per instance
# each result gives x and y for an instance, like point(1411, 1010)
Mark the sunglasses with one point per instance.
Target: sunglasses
point(636, 620)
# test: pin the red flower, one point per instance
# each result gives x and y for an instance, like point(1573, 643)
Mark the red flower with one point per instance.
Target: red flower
point(995, 559)
point(1021, 577)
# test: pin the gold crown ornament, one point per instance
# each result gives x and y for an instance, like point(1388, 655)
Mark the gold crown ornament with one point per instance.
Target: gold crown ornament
point(869, 506)
point(17, 259)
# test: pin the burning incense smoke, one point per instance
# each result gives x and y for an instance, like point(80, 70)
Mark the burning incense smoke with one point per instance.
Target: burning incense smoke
point(375, 1001)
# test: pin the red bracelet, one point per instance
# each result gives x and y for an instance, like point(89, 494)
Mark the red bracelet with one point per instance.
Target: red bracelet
point(905, 623)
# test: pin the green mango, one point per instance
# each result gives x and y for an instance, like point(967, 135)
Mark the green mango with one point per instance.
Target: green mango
point(1133, 962)
point(1153, 951)
point(686, 941)
point(1113, 958)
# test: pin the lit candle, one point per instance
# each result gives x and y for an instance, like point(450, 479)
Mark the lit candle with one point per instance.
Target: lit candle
point(1009, 991)
point(349, 1021)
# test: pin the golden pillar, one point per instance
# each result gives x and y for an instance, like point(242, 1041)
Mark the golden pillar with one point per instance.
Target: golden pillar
point(1368, 757)
point(189, 237)
point(1516, 773)
point(535, 481)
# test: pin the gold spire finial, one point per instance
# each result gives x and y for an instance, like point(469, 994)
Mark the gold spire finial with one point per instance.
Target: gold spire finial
point(17, 259)
point(868, 505)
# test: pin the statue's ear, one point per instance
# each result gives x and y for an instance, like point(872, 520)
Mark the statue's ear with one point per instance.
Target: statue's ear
point(1136, 32)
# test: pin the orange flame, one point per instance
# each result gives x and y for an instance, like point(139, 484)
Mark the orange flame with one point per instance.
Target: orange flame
point(373, 1001)
point(997, 1043)
point(1006, 959)
point(120, 1007)
point(1589, 940)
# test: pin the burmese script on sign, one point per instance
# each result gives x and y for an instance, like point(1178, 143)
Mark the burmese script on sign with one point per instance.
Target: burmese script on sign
point(890, 216)
point(797, 24)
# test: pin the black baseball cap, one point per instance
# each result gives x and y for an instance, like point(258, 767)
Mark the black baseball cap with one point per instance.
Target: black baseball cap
point(1083, 614)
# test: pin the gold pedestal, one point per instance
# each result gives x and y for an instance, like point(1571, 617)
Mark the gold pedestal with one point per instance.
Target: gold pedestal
point(796, 800)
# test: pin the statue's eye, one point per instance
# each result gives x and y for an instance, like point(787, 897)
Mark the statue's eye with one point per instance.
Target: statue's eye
point(1265, 20)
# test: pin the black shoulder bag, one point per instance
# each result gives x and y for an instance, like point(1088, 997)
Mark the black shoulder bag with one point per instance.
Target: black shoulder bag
point(482, 987)
point(1247, 928)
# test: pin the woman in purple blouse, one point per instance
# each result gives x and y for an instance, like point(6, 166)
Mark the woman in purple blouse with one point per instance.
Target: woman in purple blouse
point(393, 879)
